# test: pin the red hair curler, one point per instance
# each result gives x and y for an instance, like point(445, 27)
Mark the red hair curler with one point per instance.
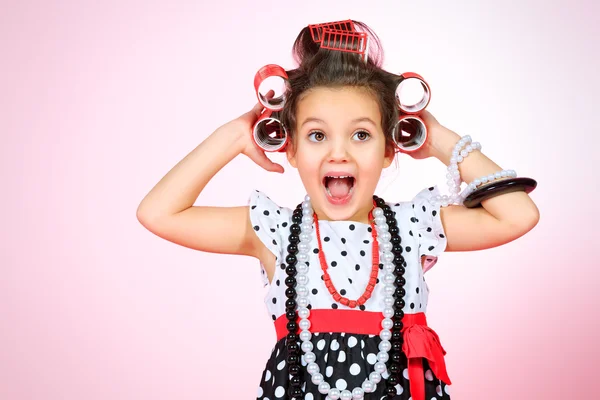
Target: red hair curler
point(410, 86)
point(269, 133)
point(271, 77)
point(410, 132)
point(346, 41)
point(316, 30)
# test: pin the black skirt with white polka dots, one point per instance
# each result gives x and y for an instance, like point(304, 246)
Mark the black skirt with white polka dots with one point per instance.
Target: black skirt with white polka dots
point(345, 360)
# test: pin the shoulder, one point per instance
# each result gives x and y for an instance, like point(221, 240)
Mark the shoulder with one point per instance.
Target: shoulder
point(422, 215)
point(264, 210)
point(421, 203)
point(270, 223)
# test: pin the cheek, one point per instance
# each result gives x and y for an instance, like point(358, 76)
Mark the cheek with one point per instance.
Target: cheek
point(370, 174)
point(371, 165)
point(309, 166)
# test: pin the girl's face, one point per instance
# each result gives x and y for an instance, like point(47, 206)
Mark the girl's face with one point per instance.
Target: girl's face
point(339, 151)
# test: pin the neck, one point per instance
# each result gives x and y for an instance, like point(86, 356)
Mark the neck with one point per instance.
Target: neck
point(361, 216)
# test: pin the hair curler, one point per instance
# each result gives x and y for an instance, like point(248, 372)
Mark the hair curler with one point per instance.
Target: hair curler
point(316, 30)
point(412, 93)
point(269, 133)
point(409, 133)
point(346, 41)
point(271, 77)
point(412, 96)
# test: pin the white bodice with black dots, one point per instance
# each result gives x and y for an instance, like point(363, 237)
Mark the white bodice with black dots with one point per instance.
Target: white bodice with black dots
point(348, 248)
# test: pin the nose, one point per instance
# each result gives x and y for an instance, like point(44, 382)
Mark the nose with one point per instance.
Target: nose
point(338, 152)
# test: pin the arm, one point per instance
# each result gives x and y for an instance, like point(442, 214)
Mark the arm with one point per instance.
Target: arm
point(500, 220)
point(168, 211)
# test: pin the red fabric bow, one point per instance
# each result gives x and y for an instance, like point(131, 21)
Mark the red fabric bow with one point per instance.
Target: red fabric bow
point(420, 342)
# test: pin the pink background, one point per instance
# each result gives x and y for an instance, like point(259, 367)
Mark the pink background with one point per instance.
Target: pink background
point(100, 99)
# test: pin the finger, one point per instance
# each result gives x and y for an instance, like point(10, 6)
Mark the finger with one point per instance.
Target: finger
point(257, 109)
point(263, 161)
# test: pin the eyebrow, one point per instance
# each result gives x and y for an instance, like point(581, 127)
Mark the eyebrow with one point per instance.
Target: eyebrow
point(313, 119)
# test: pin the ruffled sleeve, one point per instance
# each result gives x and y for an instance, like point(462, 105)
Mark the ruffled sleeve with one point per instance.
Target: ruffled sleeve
point(269, 221)
point(428, 225)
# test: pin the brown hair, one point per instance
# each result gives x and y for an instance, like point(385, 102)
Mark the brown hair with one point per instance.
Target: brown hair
point(319, 67)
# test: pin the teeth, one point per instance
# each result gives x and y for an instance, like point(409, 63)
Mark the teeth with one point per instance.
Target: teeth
point(333, 177)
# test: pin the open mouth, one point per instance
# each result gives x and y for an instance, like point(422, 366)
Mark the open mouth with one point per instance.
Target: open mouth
point(339, 188)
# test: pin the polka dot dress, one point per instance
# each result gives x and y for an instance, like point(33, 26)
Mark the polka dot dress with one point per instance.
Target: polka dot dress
point(347, 359)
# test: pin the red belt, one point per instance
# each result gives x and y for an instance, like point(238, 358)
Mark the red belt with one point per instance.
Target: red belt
point(420, 341)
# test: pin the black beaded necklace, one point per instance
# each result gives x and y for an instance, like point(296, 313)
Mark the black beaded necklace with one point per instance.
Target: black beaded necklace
point(293, 358)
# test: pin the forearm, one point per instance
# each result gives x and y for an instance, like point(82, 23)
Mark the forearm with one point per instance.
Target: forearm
point(181, 186)
point(515, 208)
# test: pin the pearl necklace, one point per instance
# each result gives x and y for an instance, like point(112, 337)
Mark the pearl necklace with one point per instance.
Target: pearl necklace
point(385, 246)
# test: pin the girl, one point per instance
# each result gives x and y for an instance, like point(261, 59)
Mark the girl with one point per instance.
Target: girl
point(345, 268)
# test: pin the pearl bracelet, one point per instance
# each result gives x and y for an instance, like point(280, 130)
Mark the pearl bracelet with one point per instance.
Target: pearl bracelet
point(486, 179)
point(461, 150)
point(458, 155)
point(453, 174)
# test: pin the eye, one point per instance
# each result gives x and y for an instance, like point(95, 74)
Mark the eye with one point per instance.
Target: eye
point(362, 135)
point(318, 136)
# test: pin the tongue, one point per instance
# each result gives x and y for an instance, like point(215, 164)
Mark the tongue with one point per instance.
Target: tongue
point(339, 187)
